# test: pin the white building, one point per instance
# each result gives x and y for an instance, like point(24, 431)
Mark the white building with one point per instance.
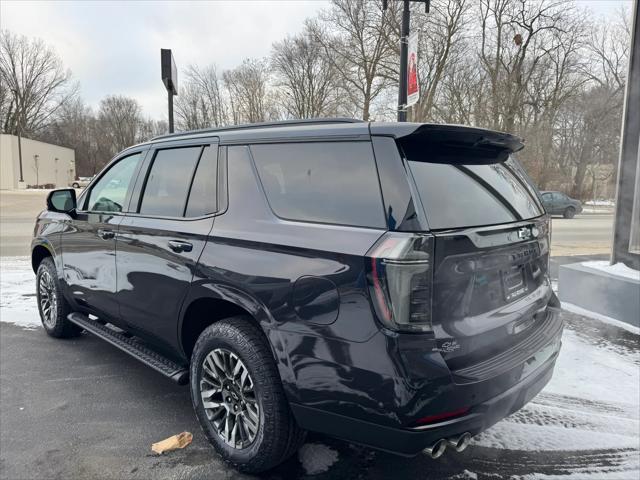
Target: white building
point(43, 164)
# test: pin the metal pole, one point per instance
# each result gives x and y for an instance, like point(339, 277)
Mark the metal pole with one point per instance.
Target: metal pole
point(404, 51)
point(20, 154)
point(170, 93)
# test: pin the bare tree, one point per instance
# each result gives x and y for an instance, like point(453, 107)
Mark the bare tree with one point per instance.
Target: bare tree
point(250, 99)
point(597, 116)
point(306, 77)
point(34, 84)
point(515, 36)
point(151, 128)
point(119, 120)
point(442, 45)
point(75, 128)
point(201, 102)
point(354, 35)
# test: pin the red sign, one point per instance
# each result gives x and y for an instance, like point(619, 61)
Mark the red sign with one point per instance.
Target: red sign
point(413, 89)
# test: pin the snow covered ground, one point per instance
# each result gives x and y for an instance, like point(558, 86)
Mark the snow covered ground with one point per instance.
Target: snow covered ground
point(592, 404)
point(17, 292)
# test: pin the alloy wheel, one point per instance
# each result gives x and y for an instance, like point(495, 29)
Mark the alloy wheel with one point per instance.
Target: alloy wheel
point(228, 398)
point(48, 299)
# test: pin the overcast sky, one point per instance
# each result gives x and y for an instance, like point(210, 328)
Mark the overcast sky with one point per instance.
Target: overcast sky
point(114, 47)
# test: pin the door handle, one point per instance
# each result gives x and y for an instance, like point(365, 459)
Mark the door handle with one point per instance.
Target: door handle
point(106, 234)
point(179, 247)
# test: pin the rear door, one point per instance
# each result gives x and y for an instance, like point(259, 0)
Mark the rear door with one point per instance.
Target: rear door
point(160, 241)
point(547, 200)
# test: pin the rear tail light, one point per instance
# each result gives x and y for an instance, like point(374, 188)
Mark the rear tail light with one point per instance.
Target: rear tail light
point(440, 416)
point(400, 280)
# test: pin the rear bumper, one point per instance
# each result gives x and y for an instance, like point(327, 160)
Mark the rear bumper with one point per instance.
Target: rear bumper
point(411, 441)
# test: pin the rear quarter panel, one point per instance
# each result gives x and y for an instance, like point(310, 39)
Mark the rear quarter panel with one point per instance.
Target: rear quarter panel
point(254, 259)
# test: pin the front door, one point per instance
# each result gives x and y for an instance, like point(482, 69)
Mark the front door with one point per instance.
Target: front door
point(160, 241)
point(88, 241)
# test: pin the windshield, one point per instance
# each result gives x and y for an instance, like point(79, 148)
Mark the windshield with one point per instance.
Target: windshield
point(461, 195)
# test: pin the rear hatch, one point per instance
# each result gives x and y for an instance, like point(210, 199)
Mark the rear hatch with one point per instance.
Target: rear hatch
point(490, 286)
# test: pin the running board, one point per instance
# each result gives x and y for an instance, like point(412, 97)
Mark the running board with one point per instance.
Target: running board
point(151, 358)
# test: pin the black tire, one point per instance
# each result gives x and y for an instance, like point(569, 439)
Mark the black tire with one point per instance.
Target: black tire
point(278, 436)
point(54, 319)
point(569, 212)
point(75, 185)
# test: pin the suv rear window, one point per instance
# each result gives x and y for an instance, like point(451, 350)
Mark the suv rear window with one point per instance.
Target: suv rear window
point(333, 182)
point(456, 196)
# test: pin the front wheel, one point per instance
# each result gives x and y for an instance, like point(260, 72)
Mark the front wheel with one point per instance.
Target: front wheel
point(570, 212)
point(75, 185)
point(238, 397)
point(52, 305)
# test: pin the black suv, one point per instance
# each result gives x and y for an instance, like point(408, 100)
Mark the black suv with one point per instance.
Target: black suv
point(385, 283)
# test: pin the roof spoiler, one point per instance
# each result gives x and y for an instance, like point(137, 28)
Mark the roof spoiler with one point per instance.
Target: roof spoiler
point(451, 144)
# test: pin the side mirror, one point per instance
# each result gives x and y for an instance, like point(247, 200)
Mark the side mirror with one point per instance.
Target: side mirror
point(62, 201)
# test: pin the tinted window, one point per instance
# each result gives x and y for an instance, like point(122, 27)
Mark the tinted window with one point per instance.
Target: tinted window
point(561, 197)
point(165, 192)
point(505, 184)
point(110, 192)
point(470, 195)
point(321, 182)
point(202, 198)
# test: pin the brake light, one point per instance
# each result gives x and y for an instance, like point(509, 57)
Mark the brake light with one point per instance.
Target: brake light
point(400, 280)
point(441, 416)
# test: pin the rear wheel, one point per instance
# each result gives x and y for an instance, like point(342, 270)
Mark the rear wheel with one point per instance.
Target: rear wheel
point(52, 305)
point(569, 212)
point(75, 185)
point(238, 397)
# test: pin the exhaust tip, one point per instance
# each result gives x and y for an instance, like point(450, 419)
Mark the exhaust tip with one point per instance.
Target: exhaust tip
point(461, 442)
point(437, 449)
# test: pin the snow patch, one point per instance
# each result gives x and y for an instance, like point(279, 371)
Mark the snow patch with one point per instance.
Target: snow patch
point(596, 374)
point(17, 292)
point(521, 436)
point(466, 475)
point(602, 203)
point(316, 458)
point(619, 269)
point(585, 474)
point(598, 316)
point(591, 403)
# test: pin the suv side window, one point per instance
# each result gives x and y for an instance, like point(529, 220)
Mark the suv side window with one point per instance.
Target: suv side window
point(329, 182)
point(168, 181)
point(110, 192)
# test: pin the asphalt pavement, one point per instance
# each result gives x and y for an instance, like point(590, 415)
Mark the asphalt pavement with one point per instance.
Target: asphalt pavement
point(80, 408)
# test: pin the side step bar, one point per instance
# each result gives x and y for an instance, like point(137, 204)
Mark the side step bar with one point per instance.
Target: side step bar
point(166, 367)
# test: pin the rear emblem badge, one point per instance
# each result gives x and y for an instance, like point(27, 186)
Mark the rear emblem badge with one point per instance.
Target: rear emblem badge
point(448, 347)
point(525, 233)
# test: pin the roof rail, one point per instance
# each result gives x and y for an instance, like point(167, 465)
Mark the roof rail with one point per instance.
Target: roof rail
point(280, 123)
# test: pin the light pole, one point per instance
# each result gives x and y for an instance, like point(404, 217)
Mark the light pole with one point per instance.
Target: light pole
point(36, 167)
point(404, 51)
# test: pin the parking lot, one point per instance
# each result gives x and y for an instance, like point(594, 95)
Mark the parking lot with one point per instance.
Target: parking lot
point(82, 409)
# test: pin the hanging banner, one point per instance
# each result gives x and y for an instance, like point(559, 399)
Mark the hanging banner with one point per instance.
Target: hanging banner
point(413, 89)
